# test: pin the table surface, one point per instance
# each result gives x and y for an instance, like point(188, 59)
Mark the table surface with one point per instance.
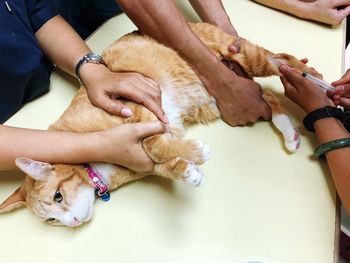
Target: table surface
point(257, 203)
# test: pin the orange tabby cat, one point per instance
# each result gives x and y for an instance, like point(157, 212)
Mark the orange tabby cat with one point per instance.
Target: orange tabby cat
point(63, 194)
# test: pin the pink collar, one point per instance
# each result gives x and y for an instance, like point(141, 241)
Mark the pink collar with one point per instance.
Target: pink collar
point(101, 188)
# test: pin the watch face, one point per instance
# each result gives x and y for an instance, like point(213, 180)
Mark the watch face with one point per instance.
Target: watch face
point(93, 56)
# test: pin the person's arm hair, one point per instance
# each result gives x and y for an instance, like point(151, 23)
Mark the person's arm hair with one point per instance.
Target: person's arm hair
point(213, 12)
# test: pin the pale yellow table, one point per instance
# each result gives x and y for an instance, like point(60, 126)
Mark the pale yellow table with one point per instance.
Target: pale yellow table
point(257, 203)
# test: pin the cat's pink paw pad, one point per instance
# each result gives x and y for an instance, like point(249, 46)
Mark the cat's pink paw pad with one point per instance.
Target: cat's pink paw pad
point(292, 142)
point(193, 176)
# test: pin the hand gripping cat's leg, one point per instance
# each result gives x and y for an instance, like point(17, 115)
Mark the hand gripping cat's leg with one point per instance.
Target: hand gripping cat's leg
point(180, 169)
point(164, 147)
point(282, 122)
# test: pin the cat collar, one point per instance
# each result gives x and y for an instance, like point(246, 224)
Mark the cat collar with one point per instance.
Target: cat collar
point(101, 188)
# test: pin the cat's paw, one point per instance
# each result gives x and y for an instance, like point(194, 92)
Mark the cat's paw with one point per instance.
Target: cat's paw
point(292, 140)
point(198, 152)
point(193, 176)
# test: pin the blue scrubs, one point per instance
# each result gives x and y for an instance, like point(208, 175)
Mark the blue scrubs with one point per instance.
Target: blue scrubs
point(85, 16)
point(24, 70)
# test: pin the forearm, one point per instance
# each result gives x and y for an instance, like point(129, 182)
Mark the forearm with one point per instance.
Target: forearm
point(288, 6)
point(61, 44)
point(46, 146)
point(173, 32)
point(213, 12)
point(330, 129)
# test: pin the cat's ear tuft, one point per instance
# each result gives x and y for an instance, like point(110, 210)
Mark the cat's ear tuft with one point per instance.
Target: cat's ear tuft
point(36, 170)
point(14, 201)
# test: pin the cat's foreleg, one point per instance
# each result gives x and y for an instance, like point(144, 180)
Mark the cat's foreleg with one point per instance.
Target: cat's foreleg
point(282, 122)
point(179, 169)
point(164, 147)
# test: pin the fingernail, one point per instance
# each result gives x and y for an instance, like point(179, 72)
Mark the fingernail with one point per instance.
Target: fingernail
point(166, 118)
point(126, 112)
point(340, 88)
point(232, 49)
point(284, 68)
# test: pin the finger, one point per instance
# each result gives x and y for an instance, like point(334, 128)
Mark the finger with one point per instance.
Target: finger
point(288, 87)
point(151, 83)
point(293, 76)
point(233, 49)
point(112, 106)
point(342, 13)
point(343, 89)
point(236, 45)
point(147, 129)
point(140, 96)
point(345, 79)
point(345, 102)
point(304, 60)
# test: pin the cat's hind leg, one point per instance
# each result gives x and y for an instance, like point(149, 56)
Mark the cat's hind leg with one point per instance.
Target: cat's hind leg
point(282, 122)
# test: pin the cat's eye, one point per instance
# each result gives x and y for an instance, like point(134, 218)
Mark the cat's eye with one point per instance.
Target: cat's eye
point(58, 197)
point(51, 219)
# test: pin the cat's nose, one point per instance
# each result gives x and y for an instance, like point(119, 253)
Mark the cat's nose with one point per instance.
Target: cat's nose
point(75, 221)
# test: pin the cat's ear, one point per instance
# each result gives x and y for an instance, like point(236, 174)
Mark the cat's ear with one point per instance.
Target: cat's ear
point(36, 170)
point(14, 201)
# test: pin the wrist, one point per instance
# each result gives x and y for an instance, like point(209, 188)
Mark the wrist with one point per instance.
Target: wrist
point(315, 106)
point(88, 59)
point(90, 72)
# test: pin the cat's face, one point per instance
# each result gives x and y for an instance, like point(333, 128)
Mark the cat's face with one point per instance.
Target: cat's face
point(58, 194)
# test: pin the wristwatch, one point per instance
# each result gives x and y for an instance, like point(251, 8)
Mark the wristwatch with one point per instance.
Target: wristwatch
point(325, 112)
point(88, 58)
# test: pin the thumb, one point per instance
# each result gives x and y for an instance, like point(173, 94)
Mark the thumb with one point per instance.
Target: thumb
point(236, 45)
point(147, 129)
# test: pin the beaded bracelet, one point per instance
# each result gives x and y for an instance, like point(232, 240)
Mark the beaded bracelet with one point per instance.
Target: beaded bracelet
point(321, 150)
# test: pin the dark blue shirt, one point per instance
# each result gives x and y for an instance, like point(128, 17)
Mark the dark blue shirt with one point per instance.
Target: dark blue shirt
point(24, 70)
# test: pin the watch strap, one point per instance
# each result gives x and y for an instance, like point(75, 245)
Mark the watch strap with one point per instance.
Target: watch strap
point(325, 112)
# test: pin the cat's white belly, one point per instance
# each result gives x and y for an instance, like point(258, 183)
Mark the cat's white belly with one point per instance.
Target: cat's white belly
point(176, 105)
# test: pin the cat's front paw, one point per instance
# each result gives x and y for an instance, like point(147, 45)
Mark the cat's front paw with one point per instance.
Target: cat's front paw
point(193, 176)
point(198, 152)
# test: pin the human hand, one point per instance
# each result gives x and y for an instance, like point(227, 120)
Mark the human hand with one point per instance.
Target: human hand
point(238, 99)
point(341, 95)
point(327, 11)
point(105, 87)
point(233, 65)
point(122, 145)
point(303, 92)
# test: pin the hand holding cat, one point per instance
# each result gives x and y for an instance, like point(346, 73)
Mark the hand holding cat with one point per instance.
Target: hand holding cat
point(239, 99)
point(128, 151)
point(342, 91)
point(105, 87)
point(302, 91)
